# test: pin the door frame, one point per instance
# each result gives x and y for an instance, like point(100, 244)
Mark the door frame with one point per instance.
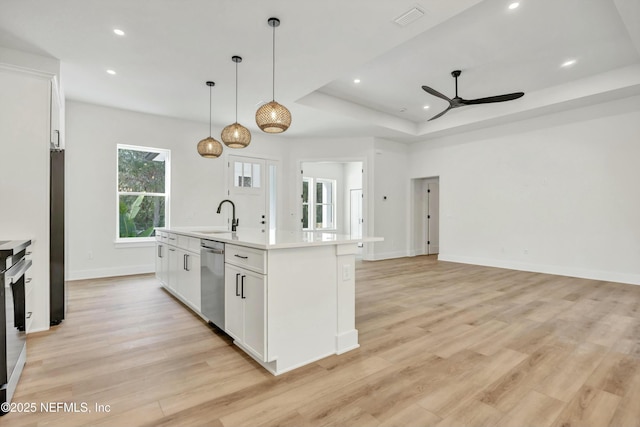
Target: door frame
point(367, 228)
point(268, 161)
point(419, 230)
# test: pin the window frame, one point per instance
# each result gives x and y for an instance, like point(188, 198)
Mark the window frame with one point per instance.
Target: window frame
point(142, 241)
point(311, 205)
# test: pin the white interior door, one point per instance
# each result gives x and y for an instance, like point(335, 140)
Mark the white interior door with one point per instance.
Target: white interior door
point(432, 198)
point(247, 189)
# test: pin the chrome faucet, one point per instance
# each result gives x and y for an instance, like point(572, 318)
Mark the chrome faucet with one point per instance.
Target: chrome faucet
point(234, 221)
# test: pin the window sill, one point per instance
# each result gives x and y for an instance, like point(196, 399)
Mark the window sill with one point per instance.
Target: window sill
point(134, 243)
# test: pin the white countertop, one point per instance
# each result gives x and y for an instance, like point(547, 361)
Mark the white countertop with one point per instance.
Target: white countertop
point(277, 239)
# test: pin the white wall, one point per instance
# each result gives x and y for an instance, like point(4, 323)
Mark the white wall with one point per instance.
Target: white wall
point(197, 184)
point(556, 194)
point(390, 208)
point(29, 62)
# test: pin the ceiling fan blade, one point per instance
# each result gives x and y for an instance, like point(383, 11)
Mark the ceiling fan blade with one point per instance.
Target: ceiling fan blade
point(489, 99)
point(440, 114)
point(436, 93)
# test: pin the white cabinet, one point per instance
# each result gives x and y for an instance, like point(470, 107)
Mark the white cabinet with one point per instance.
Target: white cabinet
point(162, 262)
point(178, 267)
point(29, 302)
point(56, 116)
point(188, 280)
point(25, 161)
point(173, 268)
point(245, 309)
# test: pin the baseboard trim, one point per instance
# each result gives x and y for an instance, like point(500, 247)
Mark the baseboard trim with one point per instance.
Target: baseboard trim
point(608, 276)
point(385, 255)
point(110, 272)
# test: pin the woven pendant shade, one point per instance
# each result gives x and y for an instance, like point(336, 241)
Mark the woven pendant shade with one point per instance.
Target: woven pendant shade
point(273, 117)
point(209, 148)
point(236, 136)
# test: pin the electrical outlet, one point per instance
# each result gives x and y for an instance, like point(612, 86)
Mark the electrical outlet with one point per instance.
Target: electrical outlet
point(346, 272)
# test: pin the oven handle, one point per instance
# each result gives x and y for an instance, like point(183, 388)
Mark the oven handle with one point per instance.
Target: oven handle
point(17, 271)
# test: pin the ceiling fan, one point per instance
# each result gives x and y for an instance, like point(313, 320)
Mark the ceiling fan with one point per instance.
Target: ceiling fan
point(459, 102)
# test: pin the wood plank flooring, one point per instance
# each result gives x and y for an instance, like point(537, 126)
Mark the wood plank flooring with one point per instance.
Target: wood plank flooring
point(442, 344)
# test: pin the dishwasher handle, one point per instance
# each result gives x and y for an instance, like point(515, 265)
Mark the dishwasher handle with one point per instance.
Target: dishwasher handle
point(213, 251)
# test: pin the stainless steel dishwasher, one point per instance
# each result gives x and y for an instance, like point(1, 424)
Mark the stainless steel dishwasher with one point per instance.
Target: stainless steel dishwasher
point(212, 281)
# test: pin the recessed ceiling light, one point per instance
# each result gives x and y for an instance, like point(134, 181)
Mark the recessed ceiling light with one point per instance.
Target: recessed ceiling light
point(426, 107)
point(514, 5)
point(111, 72)
point(118, 32)
point(356, 81)
point(568, 63)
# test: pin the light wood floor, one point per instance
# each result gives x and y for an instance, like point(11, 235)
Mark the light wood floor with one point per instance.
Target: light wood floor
point(441, 344)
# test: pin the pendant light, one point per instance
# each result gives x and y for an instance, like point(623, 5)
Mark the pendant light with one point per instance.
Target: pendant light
point(235, 135)
point(273, 117)
point(209, 147)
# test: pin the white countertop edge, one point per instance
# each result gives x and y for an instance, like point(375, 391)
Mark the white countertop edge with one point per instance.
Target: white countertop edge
point(257, 239)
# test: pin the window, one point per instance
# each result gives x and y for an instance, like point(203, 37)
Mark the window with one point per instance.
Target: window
point(143, 191)
point(318, 204)
point(246, 175)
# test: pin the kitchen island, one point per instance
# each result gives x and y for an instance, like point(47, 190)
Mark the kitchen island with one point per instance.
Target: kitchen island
point(289, 297)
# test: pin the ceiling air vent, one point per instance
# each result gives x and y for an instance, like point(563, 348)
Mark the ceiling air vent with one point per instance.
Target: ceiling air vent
point(409, 16)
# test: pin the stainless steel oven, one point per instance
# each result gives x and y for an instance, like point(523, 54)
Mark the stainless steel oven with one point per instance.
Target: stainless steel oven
point(13, 348)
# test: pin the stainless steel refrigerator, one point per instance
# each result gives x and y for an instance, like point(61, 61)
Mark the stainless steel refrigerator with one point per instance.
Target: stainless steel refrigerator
point(57, 296)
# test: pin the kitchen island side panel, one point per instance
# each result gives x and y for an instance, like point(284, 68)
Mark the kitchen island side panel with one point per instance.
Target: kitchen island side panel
point(301, 305)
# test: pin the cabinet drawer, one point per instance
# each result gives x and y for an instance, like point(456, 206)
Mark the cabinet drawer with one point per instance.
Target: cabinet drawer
point(189, 243)
point(170, 238)
point(249, 258)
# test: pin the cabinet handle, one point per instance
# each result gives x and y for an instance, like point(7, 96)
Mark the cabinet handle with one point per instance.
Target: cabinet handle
point(29, 279)
point(242, 288)
point(186, 264)
point(172, 238)
point(159, 251)
point(172, 250)
point(28, 316)
point(241, 256)
point(237, 276)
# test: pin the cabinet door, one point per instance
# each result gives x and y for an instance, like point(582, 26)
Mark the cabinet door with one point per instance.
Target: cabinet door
point(190, 283)
point(253, 288)
point(164, 265)
point(173, 268)
point(159, 252)
point(233, 306)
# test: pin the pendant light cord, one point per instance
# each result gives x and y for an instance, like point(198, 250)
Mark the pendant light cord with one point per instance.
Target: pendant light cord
point(209, 111)
point(236, 92)
point(273, 85)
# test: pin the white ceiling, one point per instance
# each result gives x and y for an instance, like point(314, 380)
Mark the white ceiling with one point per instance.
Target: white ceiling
point(172, 47)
